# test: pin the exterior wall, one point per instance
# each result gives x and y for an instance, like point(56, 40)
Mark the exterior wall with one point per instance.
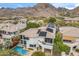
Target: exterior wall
point(47, 46)
point(32, 41)
point(37, 41)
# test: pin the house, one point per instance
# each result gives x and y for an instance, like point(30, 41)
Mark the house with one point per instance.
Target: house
point(71, 20)
point(9, 30)
point(70, 36)
point(39, 38)
point(70, 31)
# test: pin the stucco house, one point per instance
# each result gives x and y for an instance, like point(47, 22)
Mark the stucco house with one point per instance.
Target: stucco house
point(39, 38)
point(71, 20)
point(9, 30)
point(70, 36)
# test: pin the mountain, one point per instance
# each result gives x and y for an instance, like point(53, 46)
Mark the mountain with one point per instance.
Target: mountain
point(75, 11)
point(40, 9)
point(45, 10)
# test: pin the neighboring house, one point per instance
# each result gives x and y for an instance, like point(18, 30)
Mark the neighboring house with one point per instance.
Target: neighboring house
point(70, 33)
point(70, 36)
point(9, 30)
point(71, 20)
point(39, 38)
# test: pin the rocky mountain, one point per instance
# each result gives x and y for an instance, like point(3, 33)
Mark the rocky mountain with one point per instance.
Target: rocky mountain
point(75, 11)
point(45, 9)
point(40, 9)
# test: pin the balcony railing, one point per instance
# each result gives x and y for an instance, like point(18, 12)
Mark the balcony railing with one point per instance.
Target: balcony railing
point(44, 43)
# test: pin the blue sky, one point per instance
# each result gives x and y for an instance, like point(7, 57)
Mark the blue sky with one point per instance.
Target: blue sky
point(66, 5)
point(15, 5)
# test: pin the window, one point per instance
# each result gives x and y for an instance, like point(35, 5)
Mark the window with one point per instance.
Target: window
point(21, 41)
point(32, 45)
point(50, 30)
point(42, 33)
point(48, 40)
point(24, 42)
point(0, 36)
point(14, 32)
point(26, 38)
point(67, 40)
point(21, 36)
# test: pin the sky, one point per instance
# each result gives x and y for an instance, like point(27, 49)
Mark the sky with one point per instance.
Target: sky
point(67, 5)
point(15, 5)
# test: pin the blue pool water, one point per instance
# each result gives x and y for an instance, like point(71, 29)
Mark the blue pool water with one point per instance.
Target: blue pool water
point(20, 50)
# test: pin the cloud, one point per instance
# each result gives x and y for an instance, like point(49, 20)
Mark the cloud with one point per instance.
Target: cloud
point(69, 8)
point(77, 4)
point(19, 5)
point(66, 5)
point(0, 7)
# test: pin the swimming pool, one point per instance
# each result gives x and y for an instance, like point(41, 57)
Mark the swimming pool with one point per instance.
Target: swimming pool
point(20, 50)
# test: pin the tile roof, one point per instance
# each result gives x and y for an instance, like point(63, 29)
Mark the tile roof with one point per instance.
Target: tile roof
point(70, 31)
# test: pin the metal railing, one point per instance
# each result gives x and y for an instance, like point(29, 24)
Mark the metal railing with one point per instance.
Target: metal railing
point(44, 43)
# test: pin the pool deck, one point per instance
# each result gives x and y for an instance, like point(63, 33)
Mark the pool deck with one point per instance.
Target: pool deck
point(29, 53)
point(32, 51)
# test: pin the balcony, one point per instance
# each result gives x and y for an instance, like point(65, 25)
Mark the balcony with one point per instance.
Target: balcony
point(45, 45)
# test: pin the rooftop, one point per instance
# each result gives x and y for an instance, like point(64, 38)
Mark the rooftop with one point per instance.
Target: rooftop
point(33, 32)
point(9, 27)
point(30, 32)
point(70, 31)
point(49, 34)
point(68, 38)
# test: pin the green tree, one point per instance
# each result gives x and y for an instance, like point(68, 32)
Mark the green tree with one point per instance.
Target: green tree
point(58, 46)
point(32, 25)
point(57, 42)
point(38, 53)
point(51, 20)
point(58, 38)
point(60, 22)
